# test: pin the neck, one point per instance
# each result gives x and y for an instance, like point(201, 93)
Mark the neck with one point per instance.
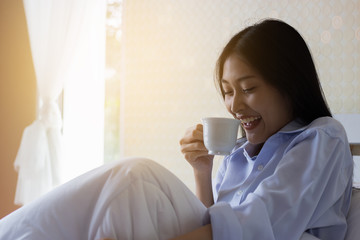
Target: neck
point(254, 149)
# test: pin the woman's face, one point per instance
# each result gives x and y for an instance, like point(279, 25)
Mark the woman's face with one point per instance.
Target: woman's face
point(262, 109)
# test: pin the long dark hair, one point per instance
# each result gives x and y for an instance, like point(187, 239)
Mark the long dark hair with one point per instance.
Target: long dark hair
point(279, 53)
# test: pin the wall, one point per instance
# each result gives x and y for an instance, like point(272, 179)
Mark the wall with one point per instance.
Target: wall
point(17, 95)
point(171, 48)
point(170, 52)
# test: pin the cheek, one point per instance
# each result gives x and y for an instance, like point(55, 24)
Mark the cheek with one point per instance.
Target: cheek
point(258, 104)
point(276, 113)
point(228, 104)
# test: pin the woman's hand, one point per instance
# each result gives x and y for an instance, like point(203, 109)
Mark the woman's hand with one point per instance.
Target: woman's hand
point(194, 150)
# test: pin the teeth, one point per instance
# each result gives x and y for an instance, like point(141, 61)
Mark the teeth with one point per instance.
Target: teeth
point(250, 119)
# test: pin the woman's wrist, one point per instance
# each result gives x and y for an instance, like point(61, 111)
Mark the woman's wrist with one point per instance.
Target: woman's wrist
point(204, 187)
point(202, 174)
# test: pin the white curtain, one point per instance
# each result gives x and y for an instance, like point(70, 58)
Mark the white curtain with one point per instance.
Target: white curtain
point(57, 30)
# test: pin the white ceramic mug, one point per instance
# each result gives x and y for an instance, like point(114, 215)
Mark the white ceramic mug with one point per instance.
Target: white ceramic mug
point(220, 134)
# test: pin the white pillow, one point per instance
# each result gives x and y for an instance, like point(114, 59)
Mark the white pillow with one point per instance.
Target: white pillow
point(353, 217)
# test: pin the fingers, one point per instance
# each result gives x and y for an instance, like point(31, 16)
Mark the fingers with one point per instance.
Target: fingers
point(193, 151)
point(192, 144)
point(193, 140)
point(193, 134)
point(194, 155)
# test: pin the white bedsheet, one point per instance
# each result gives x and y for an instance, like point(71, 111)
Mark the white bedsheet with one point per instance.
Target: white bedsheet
point(132, 199)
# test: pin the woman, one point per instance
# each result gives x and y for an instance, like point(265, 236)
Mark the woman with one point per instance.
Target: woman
point(289, 178)
point(292, 177)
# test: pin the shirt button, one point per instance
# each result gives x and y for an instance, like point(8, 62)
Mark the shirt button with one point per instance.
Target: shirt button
point(260, 167)
point(239, 192)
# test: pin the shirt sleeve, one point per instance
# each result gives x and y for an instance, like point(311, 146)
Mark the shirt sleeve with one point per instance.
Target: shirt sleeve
point(308, 190)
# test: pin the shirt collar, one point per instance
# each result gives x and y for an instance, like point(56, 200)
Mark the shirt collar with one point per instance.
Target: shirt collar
point(293, 127)
point(249, 148)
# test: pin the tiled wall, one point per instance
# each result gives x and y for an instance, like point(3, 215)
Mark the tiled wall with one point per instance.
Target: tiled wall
point(170, 49)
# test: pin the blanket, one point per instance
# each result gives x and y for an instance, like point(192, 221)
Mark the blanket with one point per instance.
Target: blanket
point(131, 199)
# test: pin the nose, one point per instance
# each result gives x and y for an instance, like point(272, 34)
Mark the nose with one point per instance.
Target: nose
point(238, 104)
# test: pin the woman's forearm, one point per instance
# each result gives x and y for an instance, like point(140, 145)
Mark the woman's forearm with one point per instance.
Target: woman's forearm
point(203, 233)
point(204, 188)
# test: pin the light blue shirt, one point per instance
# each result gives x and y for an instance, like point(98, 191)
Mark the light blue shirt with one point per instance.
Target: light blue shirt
point(299, 184)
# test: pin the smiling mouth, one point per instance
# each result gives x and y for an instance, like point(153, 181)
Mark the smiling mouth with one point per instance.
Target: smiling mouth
point(250, 121)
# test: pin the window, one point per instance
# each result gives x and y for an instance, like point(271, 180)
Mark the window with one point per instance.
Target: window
point(112, 81)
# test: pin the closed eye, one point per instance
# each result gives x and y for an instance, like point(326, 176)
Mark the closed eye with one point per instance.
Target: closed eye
point(248, 90)
point(228, 93)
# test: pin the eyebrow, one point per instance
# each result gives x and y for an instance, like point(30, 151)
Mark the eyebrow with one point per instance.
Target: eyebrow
point(240, 79)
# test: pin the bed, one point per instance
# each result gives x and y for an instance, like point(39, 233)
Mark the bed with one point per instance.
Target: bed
point(65, 214)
